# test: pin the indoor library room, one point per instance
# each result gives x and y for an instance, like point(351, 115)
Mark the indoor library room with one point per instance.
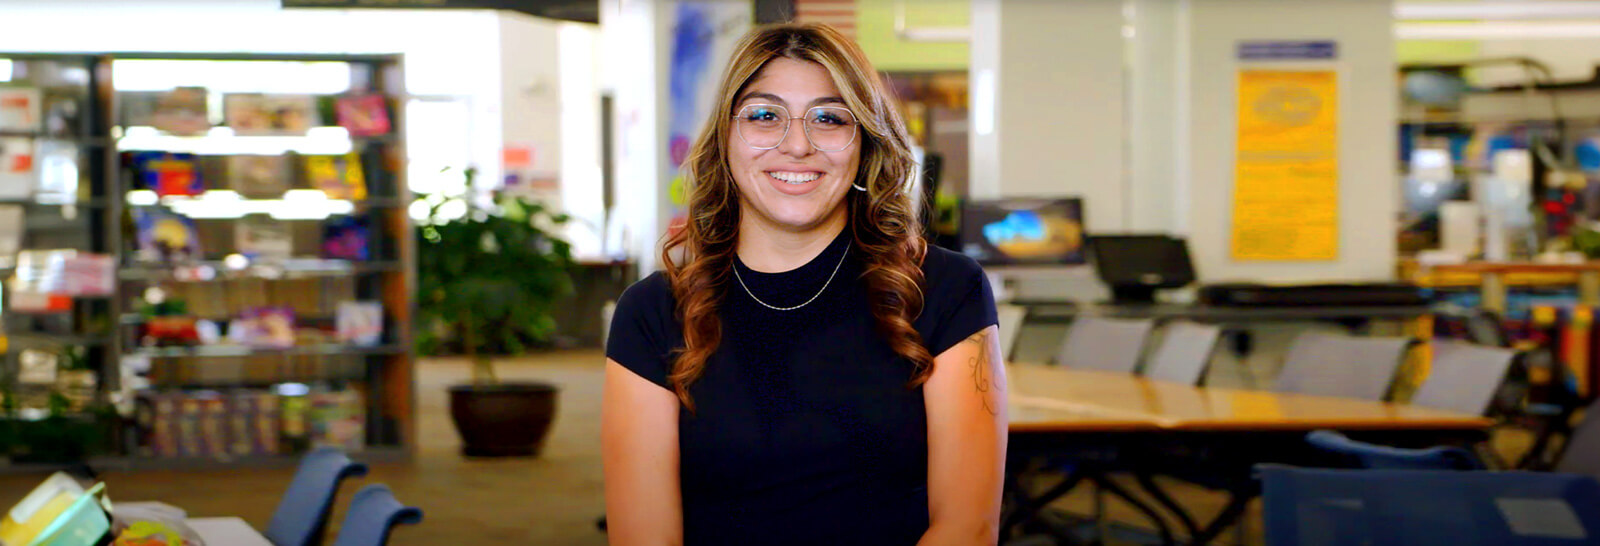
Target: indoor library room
point(799, 272)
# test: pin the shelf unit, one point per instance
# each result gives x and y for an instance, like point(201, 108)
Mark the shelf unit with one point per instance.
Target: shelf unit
point(383, 373)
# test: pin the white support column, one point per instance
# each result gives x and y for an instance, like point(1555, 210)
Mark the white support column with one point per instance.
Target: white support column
point(1047, 103)
point(1157, 200)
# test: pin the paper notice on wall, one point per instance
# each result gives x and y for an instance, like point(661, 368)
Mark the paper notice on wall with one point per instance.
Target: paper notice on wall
point(1286, 167)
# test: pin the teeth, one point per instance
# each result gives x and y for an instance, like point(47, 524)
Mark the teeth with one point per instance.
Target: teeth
point(794, 178)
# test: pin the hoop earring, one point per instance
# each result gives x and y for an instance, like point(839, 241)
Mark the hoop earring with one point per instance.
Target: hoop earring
point(858, 188)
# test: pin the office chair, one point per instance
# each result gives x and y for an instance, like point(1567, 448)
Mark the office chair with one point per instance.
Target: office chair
point(1464, 377)
point(1374, 456)
point(302, 515)
point(1184, 353)
point(1362, 368)
point(1105, 344)
point(374, 512)
point(1315, 507)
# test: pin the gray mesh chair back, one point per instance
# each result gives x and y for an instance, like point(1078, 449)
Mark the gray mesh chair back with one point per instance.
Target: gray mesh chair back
point(1362, 368)
point(1010, 327)
point(1105, 344)
point(1184, 351)
point(1464, 377)
point(1582, 452)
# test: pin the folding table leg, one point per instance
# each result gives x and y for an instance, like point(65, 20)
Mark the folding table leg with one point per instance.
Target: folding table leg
point(1161, 525)
point(1024, 508)
point(1149, 485)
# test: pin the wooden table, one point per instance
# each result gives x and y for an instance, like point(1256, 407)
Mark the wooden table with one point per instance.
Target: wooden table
point(1136, 425)
point(1046, 399)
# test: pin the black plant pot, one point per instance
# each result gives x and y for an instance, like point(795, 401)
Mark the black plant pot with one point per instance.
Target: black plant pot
point(507, 419)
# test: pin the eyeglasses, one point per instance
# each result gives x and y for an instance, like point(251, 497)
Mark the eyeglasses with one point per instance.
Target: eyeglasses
point(764, 126)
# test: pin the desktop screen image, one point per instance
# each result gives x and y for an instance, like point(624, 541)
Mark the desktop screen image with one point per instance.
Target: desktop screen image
point(1023, 231)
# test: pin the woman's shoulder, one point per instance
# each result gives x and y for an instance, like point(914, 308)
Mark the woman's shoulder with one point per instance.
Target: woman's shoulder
point(651, 295)
point(945, 268)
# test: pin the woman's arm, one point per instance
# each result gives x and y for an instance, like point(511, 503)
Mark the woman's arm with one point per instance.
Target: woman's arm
point(639, 450)
point(966, 404)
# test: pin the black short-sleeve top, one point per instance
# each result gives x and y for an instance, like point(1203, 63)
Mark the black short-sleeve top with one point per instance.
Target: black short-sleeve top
point(804, 431)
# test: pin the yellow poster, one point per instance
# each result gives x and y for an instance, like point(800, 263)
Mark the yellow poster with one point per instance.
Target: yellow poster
point(1286, 169)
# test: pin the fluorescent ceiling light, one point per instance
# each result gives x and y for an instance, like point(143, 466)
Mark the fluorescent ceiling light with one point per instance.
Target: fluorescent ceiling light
point(1531, 10)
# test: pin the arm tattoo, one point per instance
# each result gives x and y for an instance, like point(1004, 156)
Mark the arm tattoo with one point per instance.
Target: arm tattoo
point(983, 378)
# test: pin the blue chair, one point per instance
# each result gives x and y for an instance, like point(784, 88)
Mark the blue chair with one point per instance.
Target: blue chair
point(1375, 456)
point(302, 516)
point(373, 513)
point(1317, 507)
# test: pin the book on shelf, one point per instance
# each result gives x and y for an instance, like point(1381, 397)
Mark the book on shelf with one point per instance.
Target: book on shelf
point(181, 111)
point(263, 238)
point(213, 424)
point(294, 427)
point(189, 427)
point(259, 176)
point(21, 109)
point(16, 168)
point(345, 238)
point(337, 419)
point(363, 115)
point(270, 114)
point(11, 224)
point(168, 173)
point(165, 237)
point(58, 172)
point(264, 327)
point(338, 176)
point(63, 112)
point(360, 323)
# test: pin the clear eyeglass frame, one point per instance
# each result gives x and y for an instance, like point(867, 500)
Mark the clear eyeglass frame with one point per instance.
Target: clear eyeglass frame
point(739, 126)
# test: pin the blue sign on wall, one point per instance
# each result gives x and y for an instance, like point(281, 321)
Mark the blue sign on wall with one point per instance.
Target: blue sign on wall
point(1319, 50)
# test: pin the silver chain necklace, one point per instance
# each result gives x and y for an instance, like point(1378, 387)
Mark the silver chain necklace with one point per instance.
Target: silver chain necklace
point(813, 298)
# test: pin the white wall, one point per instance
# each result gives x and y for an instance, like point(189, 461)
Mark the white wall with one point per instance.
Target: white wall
point(530, 90)
point(1058, 113)
point(1368, 187)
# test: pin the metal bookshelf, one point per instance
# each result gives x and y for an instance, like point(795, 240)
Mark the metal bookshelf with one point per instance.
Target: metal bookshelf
point(106, 226)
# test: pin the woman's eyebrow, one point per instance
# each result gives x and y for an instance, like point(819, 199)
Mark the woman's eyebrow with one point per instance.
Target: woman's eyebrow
point(779, 101)
point(764, 96)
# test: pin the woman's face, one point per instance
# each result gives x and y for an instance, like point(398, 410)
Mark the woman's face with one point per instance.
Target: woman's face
point(793, 186)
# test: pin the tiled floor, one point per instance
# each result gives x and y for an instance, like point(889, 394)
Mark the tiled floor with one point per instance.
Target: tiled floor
point(551, 500)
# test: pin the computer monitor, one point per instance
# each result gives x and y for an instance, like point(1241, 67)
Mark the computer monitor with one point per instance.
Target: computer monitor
point(1135, 266)
point(1042, 231)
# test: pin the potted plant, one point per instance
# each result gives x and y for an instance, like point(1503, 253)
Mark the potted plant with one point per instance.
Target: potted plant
point(488, 276)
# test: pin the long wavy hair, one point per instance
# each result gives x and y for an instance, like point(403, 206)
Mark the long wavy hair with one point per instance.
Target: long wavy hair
point(699, 257)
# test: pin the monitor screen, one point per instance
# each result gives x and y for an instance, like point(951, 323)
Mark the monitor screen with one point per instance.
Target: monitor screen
point(1046, 231)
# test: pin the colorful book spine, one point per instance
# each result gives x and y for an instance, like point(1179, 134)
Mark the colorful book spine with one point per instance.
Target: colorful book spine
point(214, 437)
point(266, 423)
point(189, 427)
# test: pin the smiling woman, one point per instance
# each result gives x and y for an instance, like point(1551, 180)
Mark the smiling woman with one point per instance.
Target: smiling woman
point(806, 370)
